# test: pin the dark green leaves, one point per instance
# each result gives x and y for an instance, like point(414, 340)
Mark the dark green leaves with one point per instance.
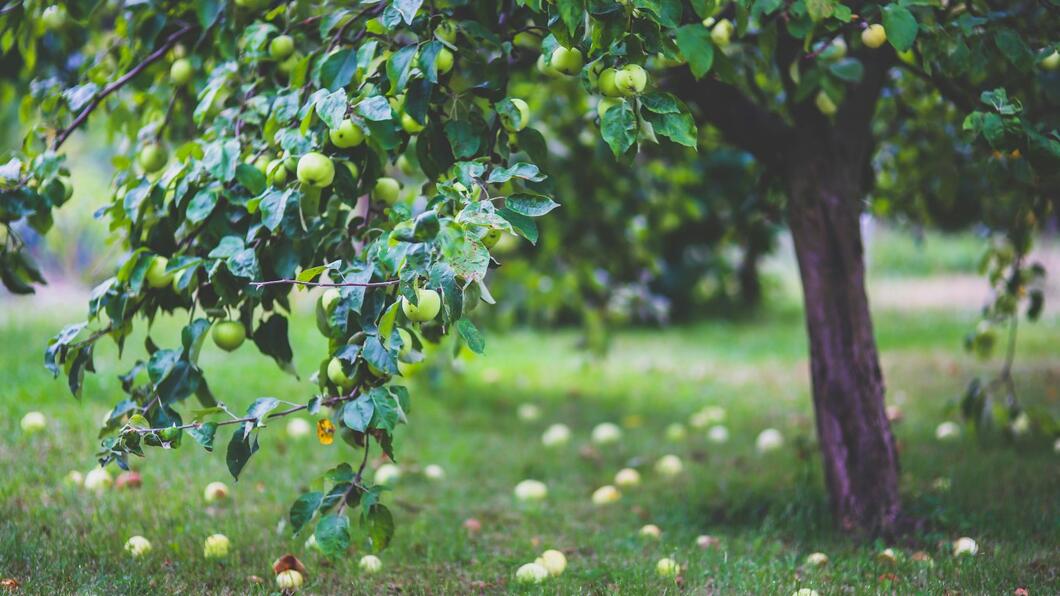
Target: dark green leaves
point(530, 205)
point(379, 523)
point(848, 69)
point(250, 177)
point(304, 508)
point(338, 69)
point(670, 118)
point(526, 171)
point(240, 448)
point(357, 414)
point(900, 25)
point(471, 335)
point(694, 43)
point(333, 535)
point(619, 128)
point(204, 434)
point(1014, 49)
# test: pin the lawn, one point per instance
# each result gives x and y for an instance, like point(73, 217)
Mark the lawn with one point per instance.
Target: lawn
point(768, 511)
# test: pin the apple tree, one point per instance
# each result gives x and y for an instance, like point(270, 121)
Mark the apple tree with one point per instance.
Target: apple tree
point(266, 145)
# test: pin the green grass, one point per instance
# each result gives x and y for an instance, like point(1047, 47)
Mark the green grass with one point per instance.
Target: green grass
point(769, 511)
point(900, 252)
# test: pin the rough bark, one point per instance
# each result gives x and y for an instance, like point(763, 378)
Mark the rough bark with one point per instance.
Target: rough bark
point(858, 449)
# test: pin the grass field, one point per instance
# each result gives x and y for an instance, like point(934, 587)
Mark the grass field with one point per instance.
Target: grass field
point(769, 511)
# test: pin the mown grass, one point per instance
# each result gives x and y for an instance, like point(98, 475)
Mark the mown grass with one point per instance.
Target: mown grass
point(768, 511)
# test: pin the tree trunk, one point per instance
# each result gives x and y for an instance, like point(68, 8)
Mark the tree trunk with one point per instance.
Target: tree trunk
point(750, 283)
point(860, 459)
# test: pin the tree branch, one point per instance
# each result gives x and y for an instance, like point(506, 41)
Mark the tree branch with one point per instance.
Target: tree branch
point(118, 84)
point(337, 399)
point(743, 122)
point(321, 284)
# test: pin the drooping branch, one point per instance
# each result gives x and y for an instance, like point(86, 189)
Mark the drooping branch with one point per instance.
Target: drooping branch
point(743, 122)
point(331, 401)
point(118, 84)
point(323, 284)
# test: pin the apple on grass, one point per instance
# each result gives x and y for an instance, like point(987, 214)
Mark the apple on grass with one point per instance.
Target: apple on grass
point(528, 412)
point(229, 335)
point(667, 567)
point(298, 428)
point(606, 433)
point(651, 531)
point(627, 478)
point(531, 490)
point(289, 580)
point(553, 561)
point(215, 491)
point(965, 546)
point(387, 474)
point(606, 495)
point(216, 546)
point(816, 560)
point(948, 431)
point(805, 592)
point(676, 432)
point(137, 546)
point(669, 465)
point(316, 170)
point(33, 422)
point(718, 434)
point(434, 472)
point(98, 480)
point(769, 440)
point(429, 304)
point(531, 573)
point(370, 564)
point(556, 435)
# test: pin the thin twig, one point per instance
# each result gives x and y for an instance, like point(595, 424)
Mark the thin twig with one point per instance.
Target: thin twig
point(358, 284)
point(328, 402)
point(118, 84)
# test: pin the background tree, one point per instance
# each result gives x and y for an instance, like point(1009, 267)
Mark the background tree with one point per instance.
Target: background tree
point(245, 98)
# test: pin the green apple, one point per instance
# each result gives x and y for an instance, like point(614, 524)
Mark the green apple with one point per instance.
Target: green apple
point(216, 546)
point(605, 104)
point(446, 31)
point(325, 304)
point(316, 170)
point(153, 157)
point(491, 238)
point(567, 61)
point(156, 276)
point(137, 546)
point(285, 67)
point(68, 187)
point(825, 104)
point(348, 134)
point(721, 33)
point(54, 17)
point(443, 61)
point(1052, 61)
point(606, 83)
point(281, 47)
point(411, 125)
point(181, 71)
point(524, 116)
point(338, 376)
point(405, 165)
point(637, 75)
point(430, 303)
point(33, 422)
point(386, 190)
point(262, 163)
point(874, 35)
point(276, 173)
point(289, 580)
point(229, 335)
point(545, 68)
point(406, 341)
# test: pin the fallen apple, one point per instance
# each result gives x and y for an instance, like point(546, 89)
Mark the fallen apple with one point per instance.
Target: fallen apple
point(434, 472)
point(606, 433)
point(948, 431)
point(669, 465)
point(553, 561)
point(531, 490)
point(289, 580)
point(627, 478)
point(816, 560)
point(718, 434)
point(667, 567)
point(676, 432)
point(298, 428)
point(528, 412)
point(531, 573)
point(651, 531)
point(556, 435)
point(387, 474)
point(768, 440)
point(98, 480)
point(215, 491)
point(137, 546)
point(965, 546)
point(370, 564)
point(33, 422)
point(605, 495)
point(216, 546)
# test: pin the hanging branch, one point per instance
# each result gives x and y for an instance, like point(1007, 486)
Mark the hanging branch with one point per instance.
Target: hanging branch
point(322, 284)
point(118, 84)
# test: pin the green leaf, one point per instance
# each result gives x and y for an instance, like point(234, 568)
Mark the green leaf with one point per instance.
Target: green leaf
point(407, 9)
point(679, 128)
point(240, 448)
point(203, 203)
point(260, 409)
point(523, 225)
point(204, 434)
point(251, 178)
point(471, 335)
point(332, 108)
point(333, 535)
point(530, 205)
point(695, 45)
point(271, 339)
point(303, 509)
point(338, 69)
point(666, 12)
point(1015, 50)
point(820, 9)
point(375, 354)
point(380, 525)
point(572, 13)
point(375, 108)
point(399, 67)
point(526, 171)
point(619, 128)
point(357, 414)
point(900, 25)
point(848, 69)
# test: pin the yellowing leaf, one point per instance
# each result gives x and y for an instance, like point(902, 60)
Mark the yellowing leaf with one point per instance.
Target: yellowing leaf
point(325, 431)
